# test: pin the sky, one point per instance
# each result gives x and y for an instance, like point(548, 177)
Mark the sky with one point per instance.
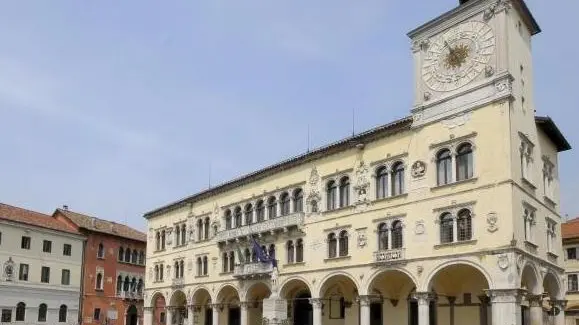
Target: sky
point(115, 108)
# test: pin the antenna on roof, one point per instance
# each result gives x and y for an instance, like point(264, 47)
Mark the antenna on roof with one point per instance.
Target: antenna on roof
point(308, 138)
point(353, 121)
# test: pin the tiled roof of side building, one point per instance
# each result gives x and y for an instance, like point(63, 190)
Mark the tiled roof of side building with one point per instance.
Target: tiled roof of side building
point(570, 229)
point(33, 218)
point(103, 226)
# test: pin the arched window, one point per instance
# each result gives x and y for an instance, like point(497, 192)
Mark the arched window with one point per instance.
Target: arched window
point(128, 255)
point(444, 167)
point(183, 235)
point(271, 252)
point(205, 265)
point(156, 276)
point(134, 285)
point(62, 313)
point(383, 236)
point(135, 257)
point(314, 206)
point(121, 254)
point(332, 245)
point(101, 251)
point(161, 272)
point(199, 229)
point(199, 266)
point(344, 192)
point(20, 312)
point(181, 269)
point(206, 228)
point(140, 286)
point(290, 252)
point(238, 217)
point(464, 225)
point(299, 251)
point(126, 284)
point(464, 166)
point(271, 208)
point(231, 261)
point(177, 235)
point(331, 190)
point(248, 214)
point(176, 270)
point(99, 281)
point(446, 228)
point(120, 280)
point(157, 243)
point(284, 202)
point(163, 239)
point(142, 258)
point(298, 200)
point(247, 254)
point(397, 234)
point(42, 312)
point(343, 251)
point(228, 220)
point(398, 179)
point(260, 211)
point(381, 182)
point(225, 262)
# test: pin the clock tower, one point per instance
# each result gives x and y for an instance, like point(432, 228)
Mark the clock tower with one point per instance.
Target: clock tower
point(472, 56)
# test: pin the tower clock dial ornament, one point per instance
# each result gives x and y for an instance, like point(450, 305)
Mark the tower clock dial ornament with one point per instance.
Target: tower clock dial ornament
point(458, 56)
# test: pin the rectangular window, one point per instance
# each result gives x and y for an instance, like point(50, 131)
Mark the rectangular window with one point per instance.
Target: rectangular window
point(97, 314)
point(46, 246)
point(571, 253)
point(572, 284)
point(25, 243)
point(6, 315)
point(67, 250)
point(45, 274)
point(65, 279)
point(23, 275)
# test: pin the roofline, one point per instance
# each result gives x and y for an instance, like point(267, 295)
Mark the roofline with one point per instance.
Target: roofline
point(113, 235)
point(28, 224)
point(550, 128)
point(338, 146)
point(530, 21)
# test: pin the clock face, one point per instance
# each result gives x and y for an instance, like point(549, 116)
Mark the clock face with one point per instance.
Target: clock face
point(458, 56)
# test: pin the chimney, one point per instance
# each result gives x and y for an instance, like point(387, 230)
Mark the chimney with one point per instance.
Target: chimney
point(65, 207)
point(93, 222)
point(463, 1)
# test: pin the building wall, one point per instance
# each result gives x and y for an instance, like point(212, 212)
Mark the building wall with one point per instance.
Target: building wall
point(111, 303)
point(33, 292)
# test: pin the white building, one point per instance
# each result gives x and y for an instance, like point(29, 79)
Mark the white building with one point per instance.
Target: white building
point(41, 261)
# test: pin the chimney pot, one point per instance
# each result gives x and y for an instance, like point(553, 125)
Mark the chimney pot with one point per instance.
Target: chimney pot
point(65, 207)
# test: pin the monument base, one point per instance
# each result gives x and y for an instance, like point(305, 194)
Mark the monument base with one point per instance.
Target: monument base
point(274, 311)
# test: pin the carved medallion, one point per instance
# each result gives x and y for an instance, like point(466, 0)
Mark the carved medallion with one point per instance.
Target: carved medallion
point(9, 270)
point(492, 220)
point(418, 169)
point(420, 227)
point(362, 239)
point(503, 261)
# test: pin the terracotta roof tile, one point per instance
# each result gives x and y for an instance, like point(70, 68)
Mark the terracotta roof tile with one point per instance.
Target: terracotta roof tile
point(24, 216)
point(103, 226)
point(570, 229)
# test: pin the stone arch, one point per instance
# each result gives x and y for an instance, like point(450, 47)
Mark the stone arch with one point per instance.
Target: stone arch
point(198, 293)
point(258, 289)
point(285, 285)
point(530, 279)
point(366, 289)
point(553, 286)
point(154, 296)
point(178, 298)
point(227, 293)
point(324, 282)
point(426, 285)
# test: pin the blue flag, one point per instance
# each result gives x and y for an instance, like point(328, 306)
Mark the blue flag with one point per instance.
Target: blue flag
point(258, 251)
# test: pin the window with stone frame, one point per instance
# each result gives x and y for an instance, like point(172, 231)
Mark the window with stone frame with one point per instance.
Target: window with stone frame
point(225, 262)
point(551, 236)
point(260, 211)
point(397, 236)
point(228, 220)
point(238, 217)
point(572, 283)
point(299, 250)
point(397, 179)
point(572, 253)
point(383, 234)
point(290, 249)
point(271, 208)
point(529, 222)
point(332, 245)
point(381, 182)
point(284, 203)
point(199, 266)
point(298, 198)
point(205, 265)
point(200, 229)
point(464, 162)
point(343, 244)
point(464, 225)
point(206, 226)
point(446, 228)
point(344, 192)
point(526, 150)
point(248, 214)
point(331, 191)
point(444, 167)
point(20, 312)
point(548, 179)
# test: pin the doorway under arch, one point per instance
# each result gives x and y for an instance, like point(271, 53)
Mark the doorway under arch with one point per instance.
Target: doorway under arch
point(132, 317)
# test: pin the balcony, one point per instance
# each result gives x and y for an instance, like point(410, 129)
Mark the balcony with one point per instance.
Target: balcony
point(283, 222)
point(130, 295)
point(390, 256)
point(253, 270)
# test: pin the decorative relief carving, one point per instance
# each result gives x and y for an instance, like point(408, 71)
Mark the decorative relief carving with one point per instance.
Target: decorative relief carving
point(313, 192)
point(420, 227)
point(520, 262)
point(169, 237)
point(9, 270)
point(457, 120)
point(427, 96)
point(489, 71)
point(418, 169)
point(503, 86)
point(503, 261)
point(492, 220)
point(362, 186)
point(362, 239)
point(495, 8)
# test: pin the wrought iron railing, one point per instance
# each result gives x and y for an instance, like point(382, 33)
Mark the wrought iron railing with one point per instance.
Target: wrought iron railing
point(253, 270)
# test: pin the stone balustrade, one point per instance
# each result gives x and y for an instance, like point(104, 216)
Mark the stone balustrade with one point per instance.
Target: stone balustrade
point(282, 222)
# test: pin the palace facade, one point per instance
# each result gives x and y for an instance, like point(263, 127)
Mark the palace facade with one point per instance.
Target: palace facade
point(570, 234)
point(448, 216)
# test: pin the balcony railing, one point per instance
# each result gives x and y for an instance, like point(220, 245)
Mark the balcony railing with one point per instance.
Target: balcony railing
point(130, 295)
point(252, 270)
point(392, 255)
point(261, 227)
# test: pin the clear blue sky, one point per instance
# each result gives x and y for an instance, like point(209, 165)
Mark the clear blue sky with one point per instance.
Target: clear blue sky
point(118, 107)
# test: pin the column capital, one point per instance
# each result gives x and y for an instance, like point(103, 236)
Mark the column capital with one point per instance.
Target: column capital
point(364, 301)
point(535, 300)
point(559, 303)
point(424, 298)
point(244, 304)
point(316, 303)
point(217, 306)
point(506, 295)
